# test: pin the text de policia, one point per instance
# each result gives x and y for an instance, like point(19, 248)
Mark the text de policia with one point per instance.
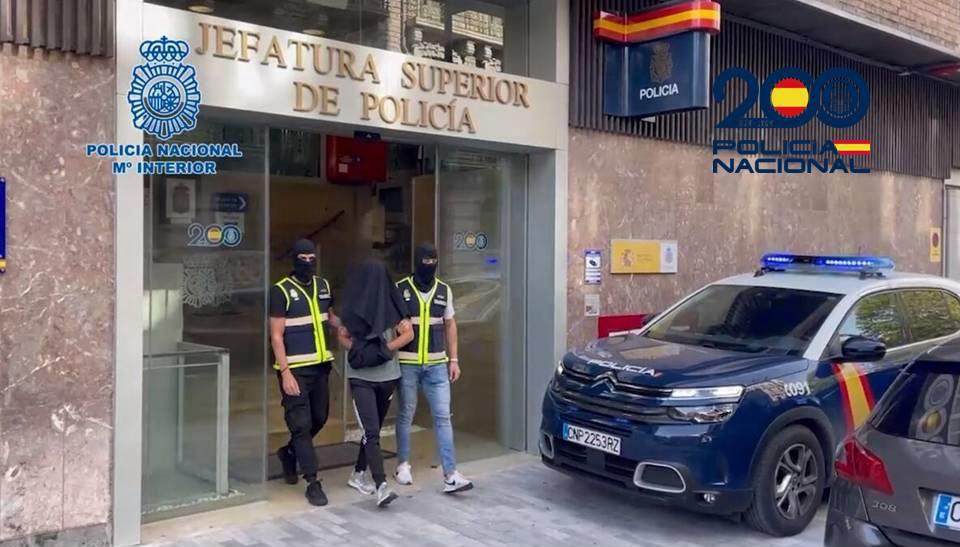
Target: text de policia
point(448, 114)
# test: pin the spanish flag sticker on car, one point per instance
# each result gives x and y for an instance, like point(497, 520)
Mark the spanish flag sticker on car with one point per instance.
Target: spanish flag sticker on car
point(857, 396)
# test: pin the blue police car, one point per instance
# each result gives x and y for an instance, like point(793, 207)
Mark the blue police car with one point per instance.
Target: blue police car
point(734, 399)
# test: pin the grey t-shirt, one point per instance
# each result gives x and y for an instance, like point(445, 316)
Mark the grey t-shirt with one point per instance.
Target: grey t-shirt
point(384, 373)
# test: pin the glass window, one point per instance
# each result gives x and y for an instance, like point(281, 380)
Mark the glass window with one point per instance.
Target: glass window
point(953, 304)
point(487, 34)
point(929, 314)
point(204, 335)
point(744, 318)
point(923, 403)
point(876, 316)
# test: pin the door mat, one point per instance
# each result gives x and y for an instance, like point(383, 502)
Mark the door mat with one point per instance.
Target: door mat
point(331, 456)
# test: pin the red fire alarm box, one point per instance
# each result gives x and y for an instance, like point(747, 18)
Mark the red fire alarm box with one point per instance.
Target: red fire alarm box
point(356, 161)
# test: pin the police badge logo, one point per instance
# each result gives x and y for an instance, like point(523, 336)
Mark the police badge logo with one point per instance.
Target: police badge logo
point(164, 95)
point(661, 63)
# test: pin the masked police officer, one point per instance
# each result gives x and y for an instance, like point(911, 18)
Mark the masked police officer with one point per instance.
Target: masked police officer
point(429, 361)
point(300, 311)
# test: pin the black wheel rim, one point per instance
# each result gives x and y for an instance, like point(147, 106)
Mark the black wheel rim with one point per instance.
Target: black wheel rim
point(795, 482)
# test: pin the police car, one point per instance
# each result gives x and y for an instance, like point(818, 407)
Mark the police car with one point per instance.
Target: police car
point(733, 400)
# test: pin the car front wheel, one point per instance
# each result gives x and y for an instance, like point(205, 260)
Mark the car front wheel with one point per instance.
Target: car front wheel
point(788, 483)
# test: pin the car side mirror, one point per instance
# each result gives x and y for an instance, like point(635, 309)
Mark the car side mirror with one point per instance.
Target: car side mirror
point(863, 349)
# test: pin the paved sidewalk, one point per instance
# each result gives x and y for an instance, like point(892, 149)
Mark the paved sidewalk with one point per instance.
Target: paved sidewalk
point(524, 505)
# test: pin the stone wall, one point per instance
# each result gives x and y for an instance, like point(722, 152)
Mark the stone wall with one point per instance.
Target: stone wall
point(626, 187)
point(56, 299)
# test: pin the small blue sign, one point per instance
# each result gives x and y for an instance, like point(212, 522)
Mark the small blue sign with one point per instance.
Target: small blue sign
point(230, 202)
point(3, 224)
point(667, 75)
point(366, 136)
point(593, 262)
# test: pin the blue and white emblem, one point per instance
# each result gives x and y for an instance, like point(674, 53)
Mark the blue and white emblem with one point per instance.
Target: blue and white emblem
point(164, 95)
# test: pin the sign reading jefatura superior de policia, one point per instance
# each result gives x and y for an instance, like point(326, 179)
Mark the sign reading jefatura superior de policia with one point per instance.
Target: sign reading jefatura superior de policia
point(342, 62)
point(260, 69)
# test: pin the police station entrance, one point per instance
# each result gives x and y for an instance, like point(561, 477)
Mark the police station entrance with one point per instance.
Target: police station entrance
point(214, 244)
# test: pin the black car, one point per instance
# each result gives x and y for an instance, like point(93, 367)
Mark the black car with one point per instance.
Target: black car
point(898, 480)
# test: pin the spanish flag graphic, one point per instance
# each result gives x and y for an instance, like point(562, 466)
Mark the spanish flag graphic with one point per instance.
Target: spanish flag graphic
point(790, 97)
point(658, 22)
point(852, 148)
point(856, 393)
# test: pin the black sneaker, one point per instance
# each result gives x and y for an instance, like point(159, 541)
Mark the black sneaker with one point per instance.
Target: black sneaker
point(315, 494)
point(289, 463)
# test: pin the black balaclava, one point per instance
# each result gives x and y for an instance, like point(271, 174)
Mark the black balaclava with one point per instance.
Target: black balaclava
point(424, 274)
point(304, 271)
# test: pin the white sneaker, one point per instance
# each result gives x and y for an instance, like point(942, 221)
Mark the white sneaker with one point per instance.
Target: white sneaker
point(385, 495)
point(404, 474)
point(456, 483)
point(361, 483)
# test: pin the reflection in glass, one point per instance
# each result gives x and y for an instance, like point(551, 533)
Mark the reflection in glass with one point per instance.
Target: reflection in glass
point(204, 337)
point(487, 34)
point(472, 226)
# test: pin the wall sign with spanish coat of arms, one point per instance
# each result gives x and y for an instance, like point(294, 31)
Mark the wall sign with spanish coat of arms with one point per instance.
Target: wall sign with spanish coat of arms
point(657, 61)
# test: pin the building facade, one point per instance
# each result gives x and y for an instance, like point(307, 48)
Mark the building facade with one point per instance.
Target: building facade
point(660, 169)
point(133, 377)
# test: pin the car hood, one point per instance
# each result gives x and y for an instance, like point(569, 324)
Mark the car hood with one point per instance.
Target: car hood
point(643, 361)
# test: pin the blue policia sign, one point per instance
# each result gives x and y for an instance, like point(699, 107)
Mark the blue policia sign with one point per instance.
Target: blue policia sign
point(657, 61)
point(668, 75)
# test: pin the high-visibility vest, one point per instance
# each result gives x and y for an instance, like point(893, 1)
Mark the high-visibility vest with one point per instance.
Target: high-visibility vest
point(429, 344)
point(304, 336)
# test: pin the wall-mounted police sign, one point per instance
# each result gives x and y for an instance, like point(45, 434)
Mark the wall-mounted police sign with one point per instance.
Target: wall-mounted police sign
point(657, 60)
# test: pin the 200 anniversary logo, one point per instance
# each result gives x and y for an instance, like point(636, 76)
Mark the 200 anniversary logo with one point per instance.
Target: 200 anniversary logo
point(790, 98)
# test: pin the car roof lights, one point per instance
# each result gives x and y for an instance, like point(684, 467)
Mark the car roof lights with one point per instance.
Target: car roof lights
point(864, 265)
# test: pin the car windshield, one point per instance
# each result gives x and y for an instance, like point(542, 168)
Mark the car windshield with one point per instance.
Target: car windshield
point(749, 319)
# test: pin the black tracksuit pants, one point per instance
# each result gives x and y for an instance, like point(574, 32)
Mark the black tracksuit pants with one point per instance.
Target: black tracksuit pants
point(371, 401)
point(306, 414)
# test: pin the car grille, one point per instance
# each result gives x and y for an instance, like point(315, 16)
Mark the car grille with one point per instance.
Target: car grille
point(617, 466)
point(654, 393)
point(632, 405)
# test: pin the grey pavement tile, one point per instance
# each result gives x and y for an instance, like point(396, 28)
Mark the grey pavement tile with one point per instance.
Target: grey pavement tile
point(527, 505)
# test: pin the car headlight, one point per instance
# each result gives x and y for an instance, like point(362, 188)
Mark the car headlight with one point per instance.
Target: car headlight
point(702, 414)
point(723, 392)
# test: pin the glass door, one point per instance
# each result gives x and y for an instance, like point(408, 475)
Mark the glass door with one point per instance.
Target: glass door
point(477, 195)
point(204, 337)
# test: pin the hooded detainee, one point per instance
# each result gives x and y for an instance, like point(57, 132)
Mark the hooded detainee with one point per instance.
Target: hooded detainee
point(375, 326)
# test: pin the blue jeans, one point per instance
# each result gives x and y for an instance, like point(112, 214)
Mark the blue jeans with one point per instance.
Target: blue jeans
point(436, 386)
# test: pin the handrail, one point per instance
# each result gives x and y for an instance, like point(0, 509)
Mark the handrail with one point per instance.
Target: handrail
point(199, 349)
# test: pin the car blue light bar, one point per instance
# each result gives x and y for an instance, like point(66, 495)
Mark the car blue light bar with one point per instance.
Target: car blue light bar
point(788, 261)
